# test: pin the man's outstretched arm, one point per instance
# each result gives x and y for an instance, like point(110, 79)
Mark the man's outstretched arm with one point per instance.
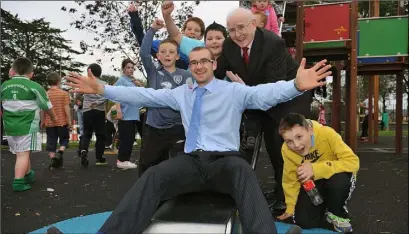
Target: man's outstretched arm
point(266, 96)
point(137, 96)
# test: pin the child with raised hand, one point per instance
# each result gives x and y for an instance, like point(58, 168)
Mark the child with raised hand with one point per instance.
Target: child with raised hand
point(313, 152)
point(272, 19)
point(22, 100)
point(164, 134)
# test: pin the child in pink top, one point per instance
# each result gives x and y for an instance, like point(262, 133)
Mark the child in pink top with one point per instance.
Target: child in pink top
point(265, 7)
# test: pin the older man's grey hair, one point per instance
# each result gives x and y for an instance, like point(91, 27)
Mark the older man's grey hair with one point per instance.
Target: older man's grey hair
point(241, 12)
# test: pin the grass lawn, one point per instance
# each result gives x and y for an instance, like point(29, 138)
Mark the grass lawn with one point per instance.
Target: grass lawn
point(391, 133)
point(74, 145)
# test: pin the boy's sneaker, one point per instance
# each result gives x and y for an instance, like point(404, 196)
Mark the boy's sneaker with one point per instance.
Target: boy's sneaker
point(126, 165)
point(84, 158)
point(30, 177)
point(340, 224)
point(101, 161)
point(20, 185)
point(58, 159)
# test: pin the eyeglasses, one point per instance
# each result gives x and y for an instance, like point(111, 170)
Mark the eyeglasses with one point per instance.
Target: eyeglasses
point(239, 28)
point(203, 61)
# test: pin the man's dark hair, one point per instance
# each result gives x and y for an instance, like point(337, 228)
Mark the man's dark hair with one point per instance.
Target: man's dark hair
point(23, 66)
point(216, 27)
point(125, 62)
point(169, 40)
point(291, 120)
point(196, 20)
point(95, 69)
point(53, 78)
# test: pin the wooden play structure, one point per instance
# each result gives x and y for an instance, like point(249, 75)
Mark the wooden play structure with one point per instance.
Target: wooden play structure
point(366, 46)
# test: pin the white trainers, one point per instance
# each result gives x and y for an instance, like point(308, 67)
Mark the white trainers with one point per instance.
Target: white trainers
point(126, 165)
point(340, 224)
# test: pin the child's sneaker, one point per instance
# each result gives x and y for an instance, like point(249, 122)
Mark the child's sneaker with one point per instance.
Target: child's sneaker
point(340, 224)
point(20, 185)
point(58, 160)
point(126, 165)
point(84, 158)
point(101, 161)
point(30, 177)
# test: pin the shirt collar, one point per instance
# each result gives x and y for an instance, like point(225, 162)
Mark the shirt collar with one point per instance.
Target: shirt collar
point(20, 77)
point(250, 44)
point(210, 86)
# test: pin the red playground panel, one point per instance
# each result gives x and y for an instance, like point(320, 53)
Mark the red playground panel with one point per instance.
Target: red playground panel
point(327, 22)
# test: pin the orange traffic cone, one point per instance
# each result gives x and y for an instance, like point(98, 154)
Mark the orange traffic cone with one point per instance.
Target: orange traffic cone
point(74, 133)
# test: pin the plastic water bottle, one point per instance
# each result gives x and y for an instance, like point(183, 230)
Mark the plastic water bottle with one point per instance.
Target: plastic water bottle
point(113, 114)
point(312, 192)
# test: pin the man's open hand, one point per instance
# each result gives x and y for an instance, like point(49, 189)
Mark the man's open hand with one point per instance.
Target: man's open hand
point(84, 84)
point(308, 79)
point(234, 77)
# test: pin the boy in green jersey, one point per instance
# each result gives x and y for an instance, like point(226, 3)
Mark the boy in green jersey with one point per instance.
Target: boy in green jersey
point(22, 100)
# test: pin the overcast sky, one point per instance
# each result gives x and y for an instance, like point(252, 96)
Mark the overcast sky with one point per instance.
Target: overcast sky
point(209, 11)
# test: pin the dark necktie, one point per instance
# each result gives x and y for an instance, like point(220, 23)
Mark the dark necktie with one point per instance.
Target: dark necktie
point(245, 55)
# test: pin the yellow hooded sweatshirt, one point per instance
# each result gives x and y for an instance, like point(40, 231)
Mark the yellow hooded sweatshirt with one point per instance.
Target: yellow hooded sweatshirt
point(329, 155)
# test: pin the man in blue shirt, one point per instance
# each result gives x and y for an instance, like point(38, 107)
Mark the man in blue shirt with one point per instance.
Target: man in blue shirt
point(211, 111)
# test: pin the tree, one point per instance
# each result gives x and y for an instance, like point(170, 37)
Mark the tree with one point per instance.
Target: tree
point(109, 79)
point(39, 42)
point(387, 87)
point(386, 8)
point(109, 22)
point(406, 88)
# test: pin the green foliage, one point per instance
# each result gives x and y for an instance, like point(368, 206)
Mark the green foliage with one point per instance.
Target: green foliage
point(39, 42)
point(109, 23)
point(109, 79)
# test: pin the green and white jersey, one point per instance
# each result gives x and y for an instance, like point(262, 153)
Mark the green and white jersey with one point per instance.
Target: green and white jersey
point(22, 100)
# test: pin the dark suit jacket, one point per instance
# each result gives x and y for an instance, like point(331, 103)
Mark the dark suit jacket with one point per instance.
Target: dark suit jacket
point(269, 62)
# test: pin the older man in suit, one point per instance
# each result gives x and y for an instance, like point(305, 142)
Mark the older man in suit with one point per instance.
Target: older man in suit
point(258, 56)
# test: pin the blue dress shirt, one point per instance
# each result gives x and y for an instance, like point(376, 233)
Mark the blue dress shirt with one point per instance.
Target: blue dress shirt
point(222, 106)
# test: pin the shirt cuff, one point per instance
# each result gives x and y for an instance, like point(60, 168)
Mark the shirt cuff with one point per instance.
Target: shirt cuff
point(108, 92)
point(292, 89)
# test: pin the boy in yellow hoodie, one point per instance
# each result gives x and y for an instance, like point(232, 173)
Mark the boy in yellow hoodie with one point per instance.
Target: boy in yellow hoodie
point(315, 152)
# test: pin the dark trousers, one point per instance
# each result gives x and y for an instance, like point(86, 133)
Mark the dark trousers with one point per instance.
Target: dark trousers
point(336, 191)
point(94, 122)
point(109, 133)
point(127, 132)
point(160, 144)
point(191, 173)
point(273, 142)
point(56, 134)
point(365, 127)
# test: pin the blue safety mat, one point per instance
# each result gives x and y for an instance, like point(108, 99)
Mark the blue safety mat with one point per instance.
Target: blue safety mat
point(91, 224)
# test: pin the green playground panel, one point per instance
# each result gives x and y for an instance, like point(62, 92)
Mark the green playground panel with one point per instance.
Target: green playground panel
point(383, 36)
point(324, 44)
